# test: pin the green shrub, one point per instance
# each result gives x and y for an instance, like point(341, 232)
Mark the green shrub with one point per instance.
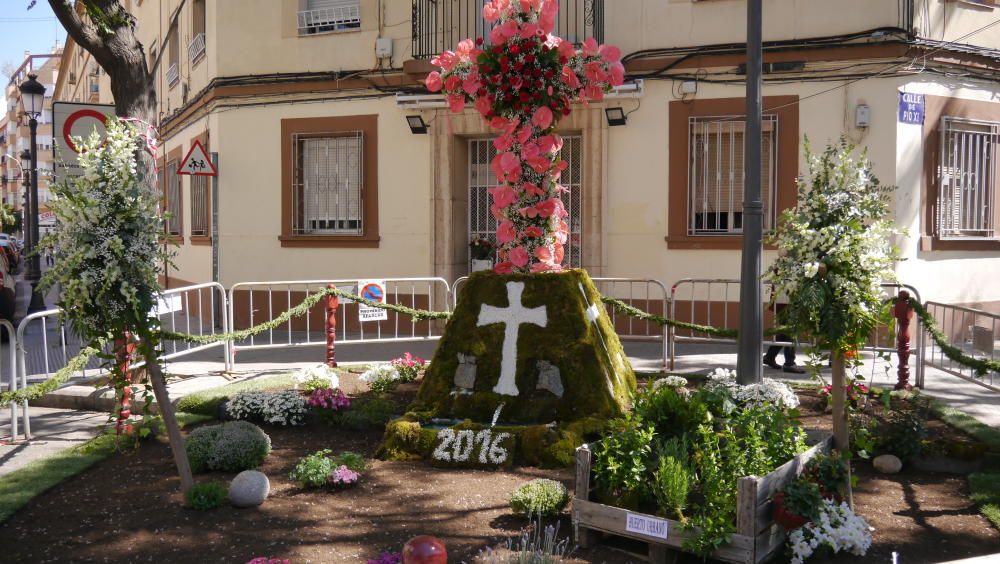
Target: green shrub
point(803, 498)
point(313, 469)
point(902, 434)
point(672, 480)
point(352, 460)
point(539, 497)
point(230, 447)
point(206, 495)
point(368, 411)
point(622, 458)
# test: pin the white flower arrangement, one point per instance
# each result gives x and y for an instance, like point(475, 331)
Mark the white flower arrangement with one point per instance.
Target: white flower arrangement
point(767, 391)
point(380, 372)
point(276, 408)
point(670, 382)
point(838, 528)
point(317, 372)
point(458, 446)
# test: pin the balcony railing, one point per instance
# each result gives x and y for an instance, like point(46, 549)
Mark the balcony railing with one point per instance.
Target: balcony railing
point(196, 49)
point(440, 24)
point(173, 74)
point(345, 14)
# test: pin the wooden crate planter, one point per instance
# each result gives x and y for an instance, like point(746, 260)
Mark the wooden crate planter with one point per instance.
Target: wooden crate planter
point(757, 538)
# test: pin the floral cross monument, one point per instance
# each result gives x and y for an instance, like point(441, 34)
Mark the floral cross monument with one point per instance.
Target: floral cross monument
point(522, 84)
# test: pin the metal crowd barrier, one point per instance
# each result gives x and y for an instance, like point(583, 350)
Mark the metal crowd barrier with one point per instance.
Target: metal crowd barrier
point(9, 372)
point(973, 331)
point(201, 310)
point(253, 303)
point(715, 302)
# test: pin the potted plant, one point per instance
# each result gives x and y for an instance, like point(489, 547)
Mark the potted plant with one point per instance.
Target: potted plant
point(482, 251)
point(796, 504)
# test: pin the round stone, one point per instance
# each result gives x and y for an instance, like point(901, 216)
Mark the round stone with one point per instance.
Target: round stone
point(887, 464)
point(249, 488)
point(424, 549)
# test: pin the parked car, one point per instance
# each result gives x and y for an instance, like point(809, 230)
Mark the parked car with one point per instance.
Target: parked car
point(12, 254)
point(7, 289)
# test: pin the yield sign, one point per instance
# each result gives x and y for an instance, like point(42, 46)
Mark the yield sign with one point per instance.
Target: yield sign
point(197, 162)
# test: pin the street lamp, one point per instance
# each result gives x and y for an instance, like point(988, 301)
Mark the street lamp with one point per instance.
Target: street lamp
point(32, 100)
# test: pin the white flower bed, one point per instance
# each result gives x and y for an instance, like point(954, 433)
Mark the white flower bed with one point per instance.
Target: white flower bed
point(276, 408)
point(670, 382)
point(838, 529)
point(318, 372)
point(768, 391)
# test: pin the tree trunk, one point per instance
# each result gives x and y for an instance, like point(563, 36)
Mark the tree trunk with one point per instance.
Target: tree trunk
point(177, 445)
point(841, 436)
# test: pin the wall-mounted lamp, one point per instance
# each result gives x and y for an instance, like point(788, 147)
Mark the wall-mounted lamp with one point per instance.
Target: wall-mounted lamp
point(615, 116)
point(416, 123)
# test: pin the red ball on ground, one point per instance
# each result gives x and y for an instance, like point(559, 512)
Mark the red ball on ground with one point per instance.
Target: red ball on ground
point(424, 549)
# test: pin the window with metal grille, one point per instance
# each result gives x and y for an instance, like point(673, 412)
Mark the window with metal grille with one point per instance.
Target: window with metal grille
point(482, 224)
point(173, 196)
point(329, 177)
point(200, 216)
point(967, 179)
point(320, 16)
point(715, 174)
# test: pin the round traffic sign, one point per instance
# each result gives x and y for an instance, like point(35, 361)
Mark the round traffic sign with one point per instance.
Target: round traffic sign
point(76, 116)
point(372, 292)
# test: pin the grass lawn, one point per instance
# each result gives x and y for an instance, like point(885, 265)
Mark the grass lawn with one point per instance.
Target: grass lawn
point(985, 491)
point(20, 486)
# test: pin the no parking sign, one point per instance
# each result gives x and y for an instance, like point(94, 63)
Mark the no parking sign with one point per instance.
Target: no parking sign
point(372, 290)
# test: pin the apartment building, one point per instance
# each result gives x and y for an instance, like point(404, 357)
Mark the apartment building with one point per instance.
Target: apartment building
point(15, 136)
point(306, 103)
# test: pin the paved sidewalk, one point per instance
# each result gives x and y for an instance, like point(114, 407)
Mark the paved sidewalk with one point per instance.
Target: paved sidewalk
point(52, 430)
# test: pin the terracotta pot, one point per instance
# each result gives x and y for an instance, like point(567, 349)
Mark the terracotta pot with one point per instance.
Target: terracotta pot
point(782, 516)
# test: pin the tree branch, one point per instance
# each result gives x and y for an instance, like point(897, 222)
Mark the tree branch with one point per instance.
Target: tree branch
point(84, 34)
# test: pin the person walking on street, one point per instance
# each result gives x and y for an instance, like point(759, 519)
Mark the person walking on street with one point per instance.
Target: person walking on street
point(771, 356)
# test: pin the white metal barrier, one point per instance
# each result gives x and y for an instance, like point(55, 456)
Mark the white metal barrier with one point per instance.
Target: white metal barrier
point(715, 302)
point(201, 310)
point(646, 294)
point(973, 331)
point(253, 303)
point(9, 372)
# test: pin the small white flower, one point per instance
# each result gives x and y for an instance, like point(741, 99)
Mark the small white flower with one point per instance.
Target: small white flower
point(670, 382)
point(810, 269)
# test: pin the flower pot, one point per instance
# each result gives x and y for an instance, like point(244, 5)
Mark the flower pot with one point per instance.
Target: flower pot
point(480, 265)
point(782, 516)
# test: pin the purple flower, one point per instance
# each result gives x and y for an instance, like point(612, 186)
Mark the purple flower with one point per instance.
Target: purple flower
point(387, 558)
point(268, 560)
point(326, 398)
point(343, 476)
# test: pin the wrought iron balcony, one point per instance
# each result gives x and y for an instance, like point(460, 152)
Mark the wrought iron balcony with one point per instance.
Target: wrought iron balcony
point(173, 74)
point(440, 24)
point(196, 48)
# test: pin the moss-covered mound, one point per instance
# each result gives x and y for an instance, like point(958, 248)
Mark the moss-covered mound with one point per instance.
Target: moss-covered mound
point(569, 363)
point(547, 445)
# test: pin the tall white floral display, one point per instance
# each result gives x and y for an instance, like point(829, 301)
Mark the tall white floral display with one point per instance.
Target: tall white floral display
point(835, 251)
point(109, 252)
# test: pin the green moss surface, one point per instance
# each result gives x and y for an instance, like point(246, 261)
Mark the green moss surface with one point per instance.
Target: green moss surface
point(596, 376)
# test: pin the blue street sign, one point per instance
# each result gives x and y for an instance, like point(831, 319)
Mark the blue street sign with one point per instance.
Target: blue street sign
point(911, 108)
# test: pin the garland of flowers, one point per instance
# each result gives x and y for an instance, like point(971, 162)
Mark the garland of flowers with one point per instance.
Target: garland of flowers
point(38, 390)
point(982, 366)
point(522, 85)
point(626, 309)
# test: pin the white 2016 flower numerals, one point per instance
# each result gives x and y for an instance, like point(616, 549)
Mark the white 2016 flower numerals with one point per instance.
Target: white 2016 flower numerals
point(463, 442)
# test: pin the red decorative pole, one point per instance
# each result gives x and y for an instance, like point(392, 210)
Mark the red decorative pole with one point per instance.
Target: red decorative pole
point(124, 348)
point(332, 302)
point(903, 313)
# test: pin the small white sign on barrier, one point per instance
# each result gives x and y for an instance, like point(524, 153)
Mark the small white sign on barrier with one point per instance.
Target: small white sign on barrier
point(646, 525)
point(373, 290)
point(168, 304)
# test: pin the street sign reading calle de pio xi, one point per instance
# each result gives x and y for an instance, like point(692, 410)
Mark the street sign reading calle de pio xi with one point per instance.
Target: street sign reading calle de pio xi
point(70, 120)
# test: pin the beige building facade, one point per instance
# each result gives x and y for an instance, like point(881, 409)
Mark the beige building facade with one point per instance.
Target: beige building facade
point(306, 102)
point(15, 134)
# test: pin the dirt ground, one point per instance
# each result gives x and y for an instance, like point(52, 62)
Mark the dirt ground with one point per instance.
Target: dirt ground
point(127, 509)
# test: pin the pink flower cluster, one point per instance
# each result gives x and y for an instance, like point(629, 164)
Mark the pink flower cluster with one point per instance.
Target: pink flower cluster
point(408, 366)
point(343, 476)
point(327, 398)
point(522, 84)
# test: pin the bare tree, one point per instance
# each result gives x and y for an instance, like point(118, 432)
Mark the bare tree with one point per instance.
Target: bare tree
point(108, 34)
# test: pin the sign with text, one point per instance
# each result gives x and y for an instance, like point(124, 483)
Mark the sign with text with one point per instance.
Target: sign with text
point(911, 108)
point(197, 162)
point(168, 304)
point(71, 120)
point(372, 290)
point(646, 525)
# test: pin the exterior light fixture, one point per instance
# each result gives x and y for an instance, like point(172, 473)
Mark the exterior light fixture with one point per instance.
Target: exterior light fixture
point(615, 116)
point(32, 96)
point(417, 125)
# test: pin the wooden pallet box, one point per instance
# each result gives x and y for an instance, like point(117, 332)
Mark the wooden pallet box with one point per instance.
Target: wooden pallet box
point(757, 537)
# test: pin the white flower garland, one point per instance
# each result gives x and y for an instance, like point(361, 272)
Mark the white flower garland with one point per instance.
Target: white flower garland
point(838, 529)
point(767, 391)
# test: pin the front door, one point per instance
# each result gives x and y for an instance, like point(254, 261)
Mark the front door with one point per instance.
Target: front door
point(482, 224)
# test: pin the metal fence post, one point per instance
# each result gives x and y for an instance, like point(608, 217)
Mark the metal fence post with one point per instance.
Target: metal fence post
point(331, 327)
point(903, 313)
